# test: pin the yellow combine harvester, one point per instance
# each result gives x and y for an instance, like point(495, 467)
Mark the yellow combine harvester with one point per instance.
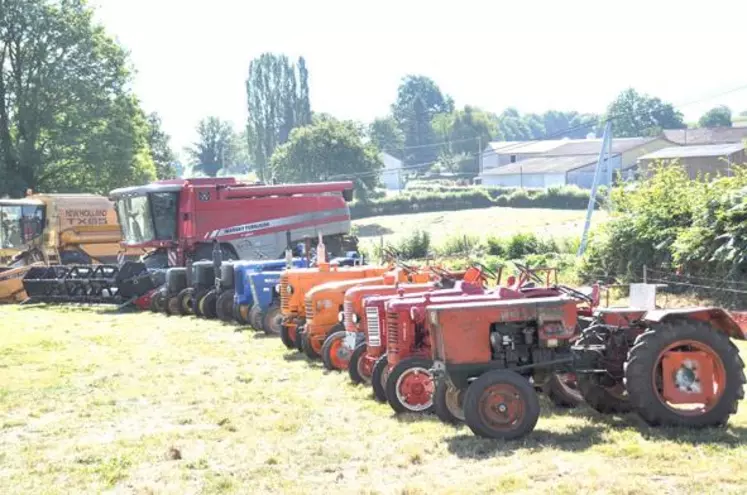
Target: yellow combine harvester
point(55, 229)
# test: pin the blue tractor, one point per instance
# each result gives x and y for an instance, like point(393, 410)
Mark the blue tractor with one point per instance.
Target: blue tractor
point(265, 311)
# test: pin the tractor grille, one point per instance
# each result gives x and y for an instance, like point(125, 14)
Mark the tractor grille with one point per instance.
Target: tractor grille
point(284, 296)
point(348, 316)
point(392, 332)
point(372, 326)
point(309, 309)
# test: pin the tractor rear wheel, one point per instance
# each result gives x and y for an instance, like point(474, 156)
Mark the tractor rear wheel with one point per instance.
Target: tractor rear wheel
point(185, 301)
point(272, 320)
point(288, 337)
point(501, 404)
point(357, 369)
point(256, 317)
point(224, 306)
point(172, 306)
point(562, 390)
point(448, 403)
point(207, 304)
point(409, 387)
point(379, 376)
point(334, 355)
point(684, 373)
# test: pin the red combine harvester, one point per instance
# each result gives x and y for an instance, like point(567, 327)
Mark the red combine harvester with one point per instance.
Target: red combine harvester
point(181, 219)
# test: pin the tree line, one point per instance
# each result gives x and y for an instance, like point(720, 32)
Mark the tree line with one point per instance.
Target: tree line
point(70, 123)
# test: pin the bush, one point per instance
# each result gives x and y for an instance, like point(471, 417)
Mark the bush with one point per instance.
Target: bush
point(414, 246)
point(459, 244)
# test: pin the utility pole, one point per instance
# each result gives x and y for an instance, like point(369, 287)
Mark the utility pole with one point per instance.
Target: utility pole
point(606, 139)
point(479, 154)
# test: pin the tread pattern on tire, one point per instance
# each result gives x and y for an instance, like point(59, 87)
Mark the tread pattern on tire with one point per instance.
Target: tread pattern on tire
point(355, 357)
point(378, 387)
point(642, 359)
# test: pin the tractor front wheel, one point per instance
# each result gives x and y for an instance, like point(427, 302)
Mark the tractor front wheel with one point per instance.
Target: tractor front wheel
point(207, 304)
point(307, 346)
point(562, 390)
point(448, 403)
point(300, 337)
point(241, 313)
point(185, 301)
point(358, 369)
point(334, 356)
point(501, 404)
point(288, 336)
point(272, 321)
point(224, 306)
point(158, 301)
point(256, 317)
point(409, 387)
point(684, 373)
point(197, 296)
point(172, 306)
point(379, 377)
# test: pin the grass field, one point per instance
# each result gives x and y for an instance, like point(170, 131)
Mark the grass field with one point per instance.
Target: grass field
point(493, 221)
point(96, 402)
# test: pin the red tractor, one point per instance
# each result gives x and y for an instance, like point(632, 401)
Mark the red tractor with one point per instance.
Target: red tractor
point(671, 366)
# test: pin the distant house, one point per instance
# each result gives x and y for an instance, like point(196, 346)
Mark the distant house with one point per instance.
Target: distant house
point(704, 159)
point(391, 175)
point(703, 135)
point(561, 162)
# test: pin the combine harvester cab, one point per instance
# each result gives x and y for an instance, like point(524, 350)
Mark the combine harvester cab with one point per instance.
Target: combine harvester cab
point(245, 274)
point(673, 367)
point(295, 283)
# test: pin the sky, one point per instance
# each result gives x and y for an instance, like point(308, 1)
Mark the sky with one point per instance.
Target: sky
point(191, 57)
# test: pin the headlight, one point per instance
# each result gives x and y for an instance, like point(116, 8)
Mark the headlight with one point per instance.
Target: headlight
point(277, 288)
point(340, 317)
point(356, 318)
point(289, 290)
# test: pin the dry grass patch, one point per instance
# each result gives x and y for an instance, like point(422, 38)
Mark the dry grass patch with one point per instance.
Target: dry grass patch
point(94, 402)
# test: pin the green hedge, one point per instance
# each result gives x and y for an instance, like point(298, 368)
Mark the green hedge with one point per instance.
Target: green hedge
point(463, 198)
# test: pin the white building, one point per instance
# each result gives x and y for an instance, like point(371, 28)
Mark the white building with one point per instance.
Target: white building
point(391, 176)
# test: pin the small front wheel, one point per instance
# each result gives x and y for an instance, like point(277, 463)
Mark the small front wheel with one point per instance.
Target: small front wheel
point(224, 306)
point(334, 355)
point(501, 404)
point(185, 302)
point(256, 317)
point(358, 369)
point(207, 304)
point(409, 387)
point(448, 403)
point(273, 320)
point(379, 376)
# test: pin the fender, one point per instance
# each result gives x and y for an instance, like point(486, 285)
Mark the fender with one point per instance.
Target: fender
point(732, 324)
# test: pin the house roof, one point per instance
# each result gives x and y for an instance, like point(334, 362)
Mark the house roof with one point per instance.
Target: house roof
point(560, 147)
point(707, 150)
point(703, 135)
point(543, 165)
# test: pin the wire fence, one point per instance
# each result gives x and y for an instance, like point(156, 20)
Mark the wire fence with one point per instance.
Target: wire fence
point(728, 292)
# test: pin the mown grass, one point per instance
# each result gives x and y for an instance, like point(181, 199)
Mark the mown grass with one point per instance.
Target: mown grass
point(93, 401)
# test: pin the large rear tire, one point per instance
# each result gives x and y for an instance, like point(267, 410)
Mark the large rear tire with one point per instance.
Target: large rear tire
point(272, 321)
point(256, 317)
point(448, 403)
point(357, 367)
point(224, 306)
point(334, 356)
point(501, 404)
point(562, 390)
point(379, 376)
point(409, 387)
point(718, 366)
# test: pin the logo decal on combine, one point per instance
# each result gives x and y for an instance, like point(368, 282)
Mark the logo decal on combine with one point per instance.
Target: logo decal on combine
point(203, 195)
point(248, 228)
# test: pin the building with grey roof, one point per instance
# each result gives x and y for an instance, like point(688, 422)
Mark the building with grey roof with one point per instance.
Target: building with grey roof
point(710, 159)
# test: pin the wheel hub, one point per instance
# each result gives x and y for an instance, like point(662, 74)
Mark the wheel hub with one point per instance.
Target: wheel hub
point(415, 389)
point(502, 406)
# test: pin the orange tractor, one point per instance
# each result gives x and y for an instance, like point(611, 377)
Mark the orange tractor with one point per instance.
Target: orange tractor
point(293, 287)
point(673, 367)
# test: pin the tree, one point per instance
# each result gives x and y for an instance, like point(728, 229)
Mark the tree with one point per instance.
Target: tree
point(464, 134)
point(326, 150)
point(387, 136)
point(278, 102)
point(215, 148)
point(67, 121)
point(716, 117)
point(637, 114)
point(160, 149)
point(419, 100)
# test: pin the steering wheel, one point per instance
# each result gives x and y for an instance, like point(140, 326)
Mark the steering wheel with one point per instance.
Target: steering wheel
point(574, 293)
point(491, 273)
point(440, 272)
point(528, 272)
